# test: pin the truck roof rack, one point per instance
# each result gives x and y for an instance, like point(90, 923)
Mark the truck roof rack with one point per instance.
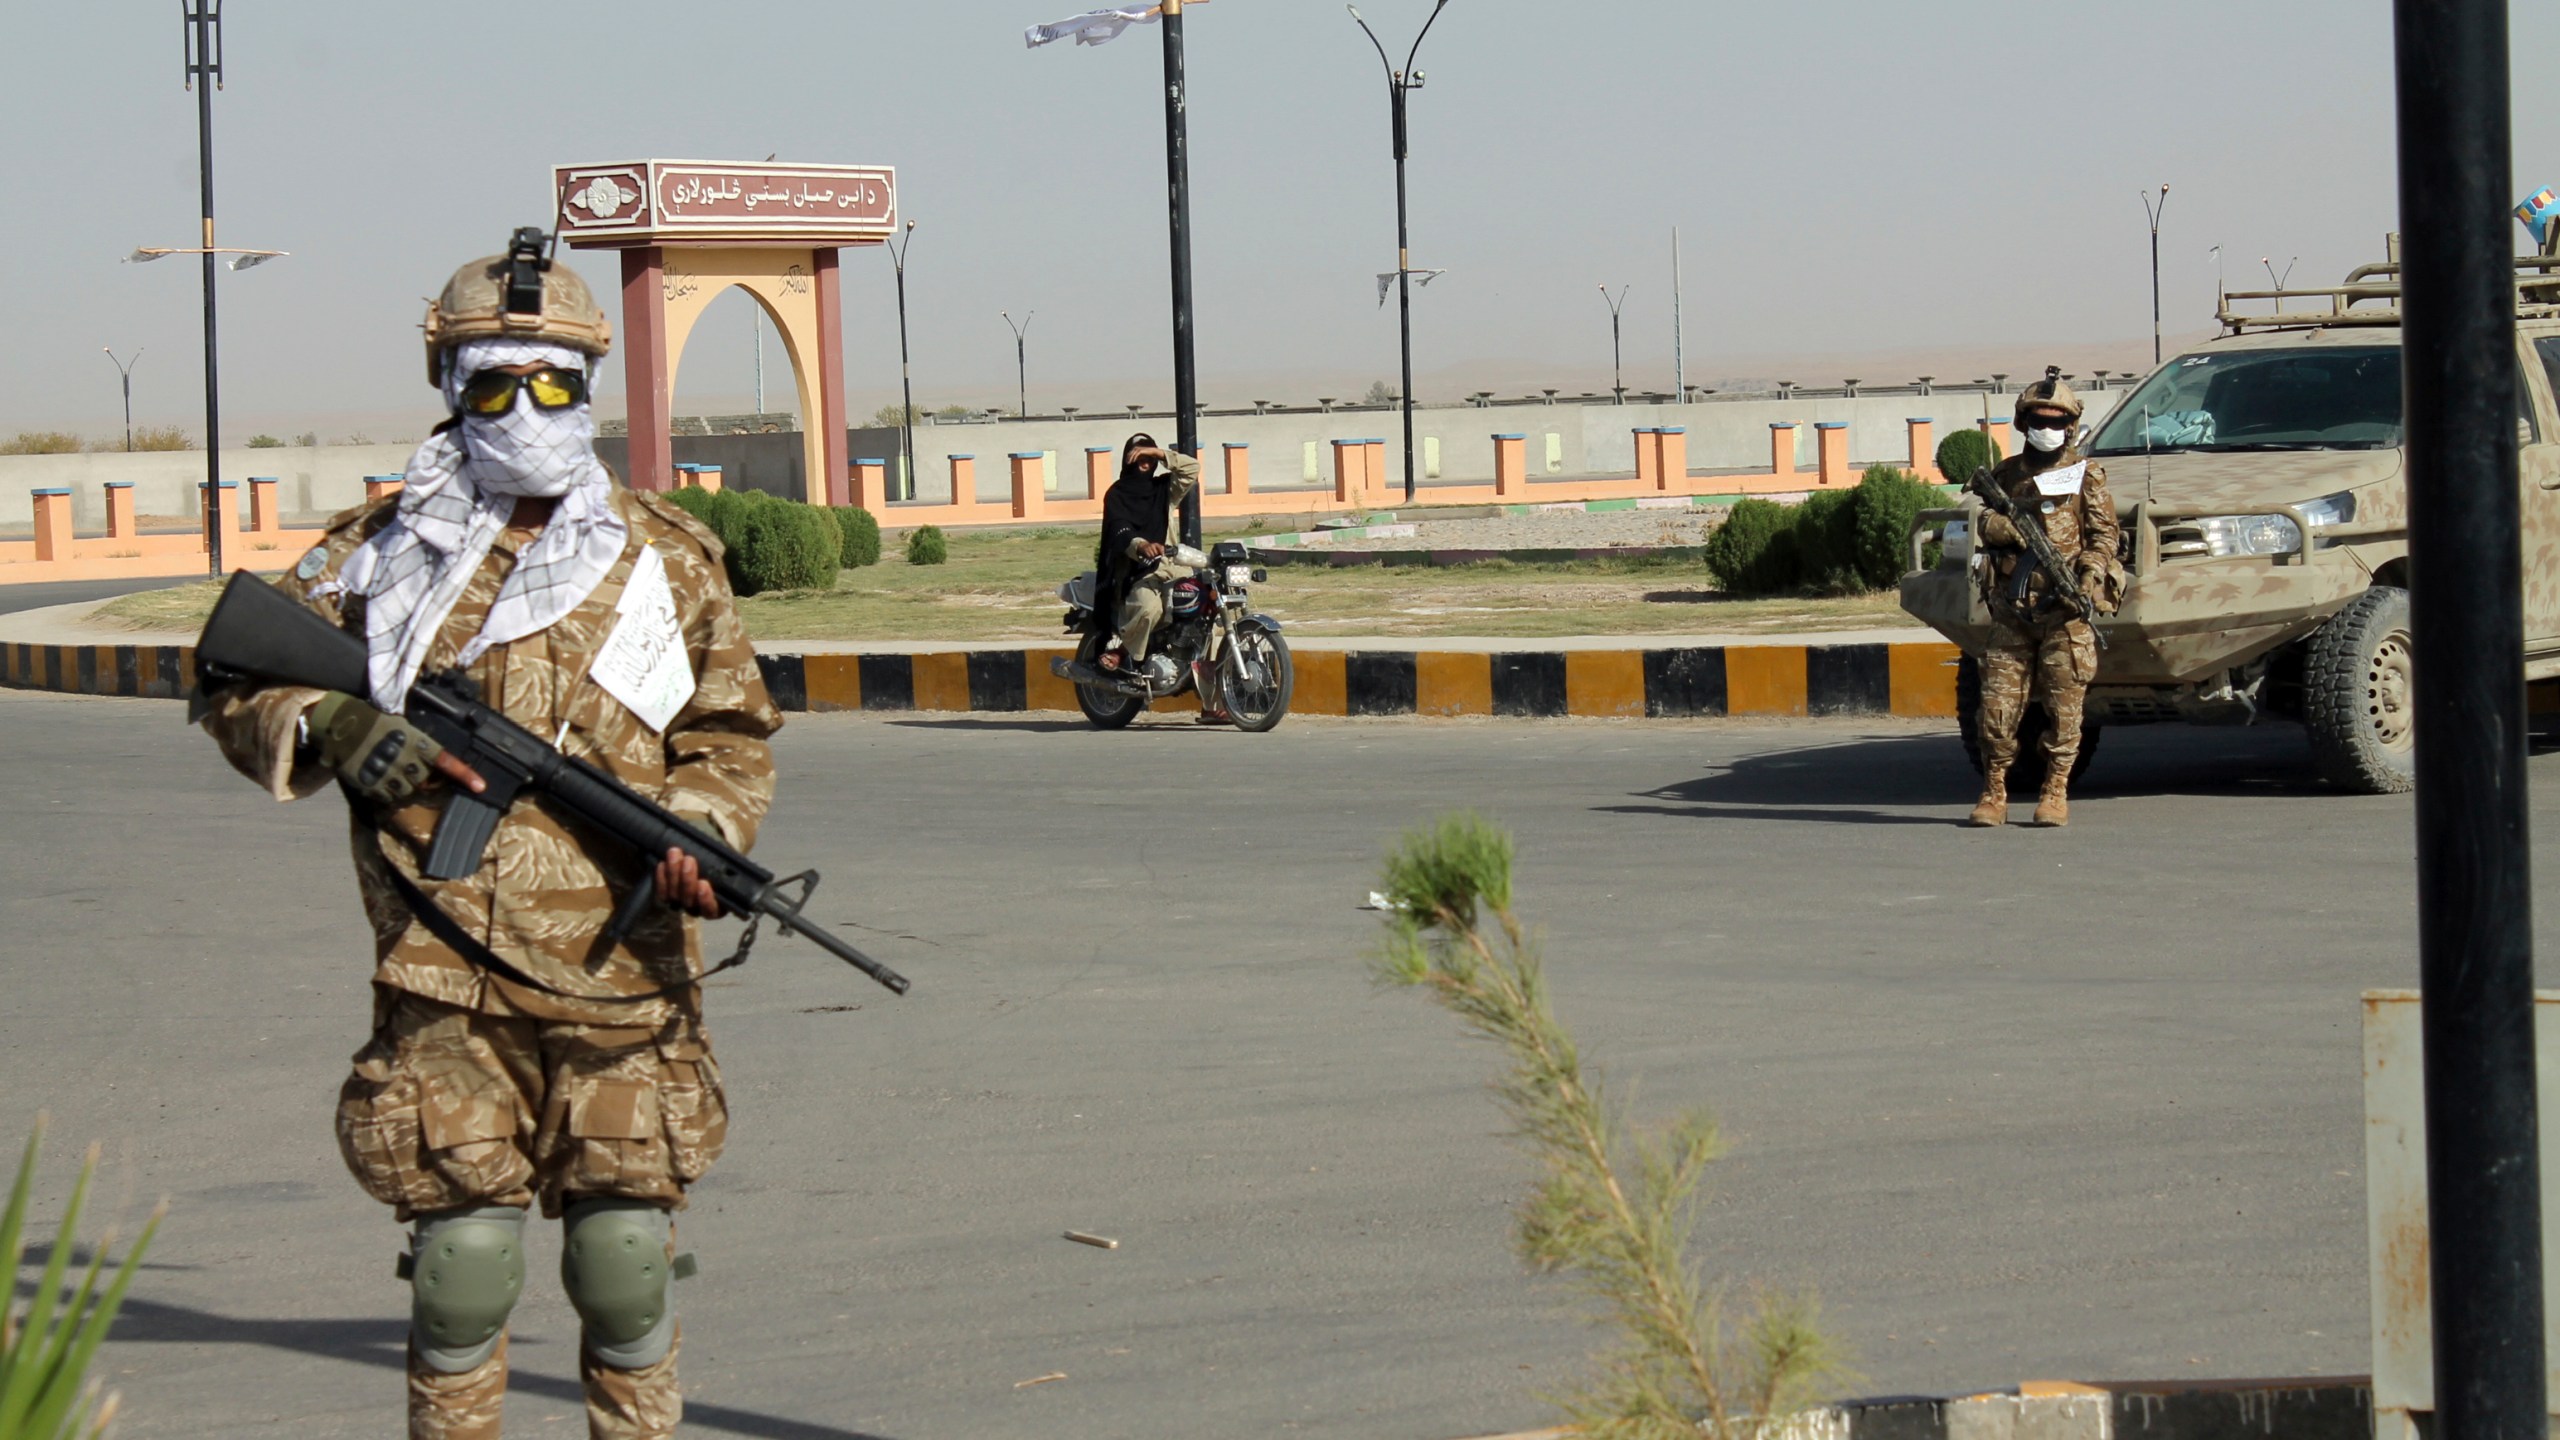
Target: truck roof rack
point(2370, 295)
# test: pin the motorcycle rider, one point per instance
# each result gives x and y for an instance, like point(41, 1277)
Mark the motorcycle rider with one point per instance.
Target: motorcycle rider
point(1141, 520)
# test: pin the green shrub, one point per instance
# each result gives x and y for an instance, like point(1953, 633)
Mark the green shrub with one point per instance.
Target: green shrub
point(1889, 500)
point(265, 442)
point(860, 530)
point(1739, 552)
point(927, 546)
point(1964, 452)
point(165, 437)
point(41, 442)
point(782, 545)
point(694, 501)
point(1826, 535)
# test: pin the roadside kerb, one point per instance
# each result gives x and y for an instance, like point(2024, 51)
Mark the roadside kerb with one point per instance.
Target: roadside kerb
point(2323, 1407)
point(1914, 679)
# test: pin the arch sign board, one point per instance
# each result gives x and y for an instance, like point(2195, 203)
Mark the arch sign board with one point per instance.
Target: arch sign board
point(689, 230)
point(676, 202)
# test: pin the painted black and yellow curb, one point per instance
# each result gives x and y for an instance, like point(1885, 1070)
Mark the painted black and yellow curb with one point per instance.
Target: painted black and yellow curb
point(1906, 678)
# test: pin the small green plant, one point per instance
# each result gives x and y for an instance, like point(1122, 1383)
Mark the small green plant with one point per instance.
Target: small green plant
point(1614, 1207)
point(41, 442)
point(1965, 451)
point(1752, 553)
point(265, 442)
point(927, 546)
point(45, 1349)
point(163, 437)
point(891, 416)
point(1890, 500)
point(1826, 536)
point(782, 545)
point(861, 532)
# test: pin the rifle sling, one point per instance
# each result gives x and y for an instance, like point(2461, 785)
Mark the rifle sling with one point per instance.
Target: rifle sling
point(480, 956)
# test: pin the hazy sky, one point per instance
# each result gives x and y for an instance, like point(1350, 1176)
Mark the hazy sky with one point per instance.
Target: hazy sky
point(1848, 178)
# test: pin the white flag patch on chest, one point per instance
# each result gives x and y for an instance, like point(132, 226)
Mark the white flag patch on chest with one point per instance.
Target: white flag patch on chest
point(643, 663)
point(2065, 481)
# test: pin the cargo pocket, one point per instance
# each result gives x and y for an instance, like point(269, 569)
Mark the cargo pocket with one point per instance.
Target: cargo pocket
point(379, 1134)
point(615, 1138)
point(697, 1113)
point(468, 1121)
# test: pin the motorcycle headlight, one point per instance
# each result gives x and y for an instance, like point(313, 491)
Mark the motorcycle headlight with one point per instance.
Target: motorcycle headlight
point(1955, 542)
point(2251, 535)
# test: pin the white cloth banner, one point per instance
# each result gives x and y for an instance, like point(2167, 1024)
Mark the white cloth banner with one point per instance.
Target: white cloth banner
point(1094, 27)
point(1387, 281)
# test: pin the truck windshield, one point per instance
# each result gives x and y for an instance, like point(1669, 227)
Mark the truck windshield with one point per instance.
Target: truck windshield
point(2331, 398)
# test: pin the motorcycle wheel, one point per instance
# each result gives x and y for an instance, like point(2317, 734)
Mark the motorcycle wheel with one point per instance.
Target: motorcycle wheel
point(1107, 709)
point(1257, 704)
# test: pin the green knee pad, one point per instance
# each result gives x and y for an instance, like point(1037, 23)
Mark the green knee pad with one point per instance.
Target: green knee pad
point(466, 1268)
point(615, 1268)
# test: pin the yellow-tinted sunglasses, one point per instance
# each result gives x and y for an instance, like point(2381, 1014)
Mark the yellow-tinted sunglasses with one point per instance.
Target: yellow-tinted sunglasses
point(493, 392)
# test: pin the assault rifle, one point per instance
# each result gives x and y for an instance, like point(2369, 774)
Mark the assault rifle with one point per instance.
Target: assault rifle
point(259, 633)
point(2040, 550)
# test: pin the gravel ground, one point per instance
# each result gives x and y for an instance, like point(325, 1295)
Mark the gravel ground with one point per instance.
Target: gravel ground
point(1553, 529)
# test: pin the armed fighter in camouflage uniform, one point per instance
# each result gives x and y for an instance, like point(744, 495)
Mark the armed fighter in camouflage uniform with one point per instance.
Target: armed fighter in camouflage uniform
point(517, 1056)
point(2037, 641)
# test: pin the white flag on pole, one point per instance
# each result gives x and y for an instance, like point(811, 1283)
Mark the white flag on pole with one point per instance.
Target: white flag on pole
point(1387, 281)
point(1094, 27)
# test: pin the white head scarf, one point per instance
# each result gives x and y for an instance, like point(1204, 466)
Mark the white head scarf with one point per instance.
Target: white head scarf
point(461, 487)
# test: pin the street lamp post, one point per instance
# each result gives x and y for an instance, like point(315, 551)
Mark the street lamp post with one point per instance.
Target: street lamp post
point(1021, 371)
point(124, 368)
point(2151, 209)
point(1617, 376)
point(204, 71)
point(1399, 82)
point(906, 484)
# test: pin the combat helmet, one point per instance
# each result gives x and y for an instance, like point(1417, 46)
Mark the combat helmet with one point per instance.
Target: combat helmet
point(520, 295)
point(2050, 392)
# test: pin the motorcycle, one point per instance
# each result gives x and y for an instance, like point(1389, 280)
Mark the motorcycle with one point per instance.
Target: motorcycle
point(1210, 635)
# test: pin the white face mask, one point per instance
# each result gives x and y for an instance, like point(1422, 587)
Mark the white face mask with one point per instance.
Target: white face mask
point(526, 451)
point(2047, 439)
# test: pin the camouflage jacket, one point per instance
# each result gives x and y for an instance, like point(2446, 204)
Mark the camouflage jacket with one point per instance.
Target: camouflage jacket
point(542, 893)
point(2082, 525)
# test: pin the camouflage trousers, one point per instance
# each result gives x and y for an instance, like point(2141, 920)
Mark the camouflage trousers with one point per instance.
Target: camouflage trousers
point(449, 1108)
point(2060, 661)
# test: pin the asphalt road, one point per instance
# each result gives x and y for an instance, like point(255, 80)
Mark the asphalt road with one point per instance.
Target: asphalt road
point(2017, 1104)
point(14, 598)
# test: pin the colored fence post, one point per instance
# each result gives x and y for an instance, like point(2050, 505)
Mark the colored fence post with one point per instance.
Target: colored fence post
point(1782, 447)
point(1510, 465)
point(1831, 453)
point(120, 521)
point(376, 486)
point(1998, 430)
point(53, 524)
point(1027, 493)
point(1672, 465)
point(1099, 471)
point(964, 481)
point(230, 510)
point(264, 516)
point(870, 478)
point(1924, 451)
point(708, 477)
point(1648, 456)
point(1373, 464)
point(1239, 468)
point(1350, 457)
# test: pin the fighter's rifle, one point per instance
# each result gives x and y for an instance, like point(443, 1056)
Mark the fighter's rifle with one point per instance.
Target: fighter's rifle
point(259, 633)
point(2040, 548)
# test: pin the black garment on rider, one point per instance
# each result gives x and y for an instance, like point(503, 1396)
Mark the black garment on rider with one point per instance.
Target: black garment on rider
point(1138, 506)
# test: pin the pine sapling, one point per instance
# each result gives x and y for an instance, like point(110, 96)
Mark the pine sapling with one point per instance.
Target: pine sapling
point(1614, 1207)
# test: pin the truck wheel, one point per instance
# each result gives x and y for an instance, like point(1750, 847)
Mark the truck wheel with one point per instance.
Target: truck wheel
point(2026, 777)
point(2356, 695)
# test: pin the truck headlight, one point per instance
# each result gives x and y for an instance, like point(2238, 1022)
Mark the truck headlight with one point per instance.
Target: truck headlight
point(1955, 542)
point(2251, 535)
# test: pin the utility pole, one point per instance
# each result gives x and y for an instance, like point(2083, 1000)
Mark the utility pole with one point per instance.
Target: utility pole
point(1186, 386)
point(1617, 370)
point(2152, 211)
point(1021, 371)
point(905, 486)
point(1679, 371)
point(1399, 82)
point(124, 368)
point(204, 73)
point(2466, 600)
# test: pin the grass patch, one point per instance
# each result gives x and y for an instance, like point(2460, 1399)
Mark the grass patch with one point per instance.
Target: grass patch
point(1002, 586)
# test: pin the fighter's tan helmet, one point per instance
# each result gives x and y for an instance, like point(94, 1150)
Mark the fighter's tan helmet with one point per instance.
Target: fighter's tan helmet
point(2050, 392)
point(474, 307)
